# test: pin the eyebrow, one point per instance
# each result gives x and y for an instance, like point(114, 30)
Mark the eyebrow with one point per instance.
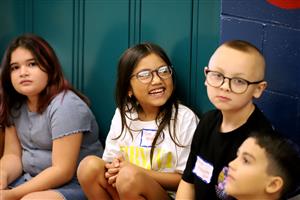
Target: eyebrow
point(31, 59)
point(148, 68)
point(248, 154)
point(245, 154)
point(220, 70)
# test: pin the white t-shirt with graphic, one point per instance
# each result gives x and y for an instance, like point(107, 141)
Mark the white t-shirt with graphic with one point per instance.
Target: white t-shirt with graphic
point(167, 157)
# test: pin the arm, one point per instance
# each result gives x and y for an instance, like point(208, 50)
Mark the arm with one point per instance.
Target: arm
point(185, 191)
point(64, 161)
point(10, 163)
point(168, 180)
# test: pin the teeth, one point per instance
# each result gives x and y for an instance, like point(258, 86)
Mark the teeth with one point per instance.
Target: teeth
point(157, 90)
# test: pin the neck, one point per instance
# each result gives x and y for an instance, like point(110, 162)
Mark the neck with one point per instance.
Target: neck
point(148, 114)
point(233, 119)
point(32, 104)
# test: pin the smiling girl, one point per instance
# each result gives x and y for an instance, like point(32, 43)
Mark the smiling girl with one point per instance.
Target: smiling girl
point(150, 135)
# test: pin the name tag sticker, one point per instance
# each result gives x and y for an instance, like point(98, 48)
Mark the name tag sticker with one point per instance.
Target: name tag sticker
point(203, 170)
point(147, 137)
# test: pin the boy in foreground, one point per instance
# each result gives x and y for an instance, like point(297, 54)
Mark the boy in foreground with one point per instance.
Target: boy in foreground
point(266, 167)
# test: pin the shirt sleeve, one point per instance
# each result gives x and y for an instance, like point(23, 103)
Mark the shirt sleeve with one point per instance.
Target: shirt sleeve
point(188, 121)
point(112, 149)
point(188, 175)
point(68, 114)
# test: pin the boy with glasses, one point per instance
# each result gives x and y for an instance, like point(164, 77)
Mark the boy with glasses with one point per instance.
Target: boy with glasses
point(234, 76)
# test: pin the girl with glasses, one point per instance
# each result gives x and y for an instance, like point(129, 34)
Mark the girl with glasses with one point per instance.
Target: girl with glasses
point(150, 135)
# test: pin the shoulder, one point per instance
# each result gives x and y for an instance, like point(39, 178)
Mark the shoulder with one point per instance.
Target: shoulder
point(183, 109)
point(68, 99)
point(209, 120)
point(259, 118)
point(185, 113)
point(211, 115)
point(67, 103)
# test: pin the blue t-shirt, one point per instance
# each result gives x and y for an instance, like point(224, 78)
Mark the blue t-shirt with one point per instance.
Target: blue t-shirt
point(65, 115)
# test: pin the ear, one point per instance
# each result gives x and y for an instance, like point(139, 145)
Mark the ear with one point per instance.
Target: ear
point(259, 89)
point(274, 185)
point(204, 71)
point(130, 93)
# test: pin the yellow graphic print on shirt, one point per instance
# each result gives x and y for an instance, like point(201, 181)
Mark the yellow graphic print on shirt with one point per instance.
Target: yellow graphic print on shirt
point(141, 157)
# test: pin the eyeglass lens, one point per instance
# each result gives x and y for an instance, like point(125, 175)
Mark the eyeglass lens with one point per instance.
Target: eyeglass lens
point(146, 76)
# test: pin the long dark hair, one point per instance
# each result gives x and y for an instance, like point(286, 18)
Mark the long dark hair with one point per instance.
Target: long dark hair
point(127, 63)
point(47, 60)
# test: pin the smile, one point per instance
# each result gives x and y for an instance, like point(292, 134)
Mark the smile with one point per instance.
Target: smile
point(157, 92)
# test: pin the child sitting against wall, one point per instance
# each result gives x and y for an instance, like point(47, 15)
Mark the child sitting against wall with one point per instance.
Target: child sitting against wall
point(234, 77)
point(150, 135)
point(48, 125)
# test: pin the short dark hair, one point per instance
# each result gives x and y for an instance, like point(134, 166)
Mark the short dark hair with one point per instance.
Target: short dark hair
point(242, 45)
point(283, 158)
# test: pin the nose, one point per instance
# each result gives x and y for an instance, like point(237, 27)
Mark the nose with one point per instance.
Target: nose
point(23, 71)
point(232, 164)
point(155, 77)
point(226, 84)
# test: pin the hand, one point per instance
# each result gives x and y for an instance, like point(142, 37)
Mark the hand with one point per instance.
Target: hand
point(112, 171)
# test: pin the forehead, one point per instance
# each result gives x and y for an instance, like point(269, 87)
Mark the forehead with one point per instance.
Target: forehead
point(151, 61)
point(251, 147)
point(20, 54)
point(232, 61)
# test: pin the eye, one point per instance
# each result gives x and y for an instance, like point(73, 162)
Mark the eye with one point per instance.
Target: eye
point(163, 70)
point(14, 67)
point(238, 81)
point(144, 74)
point(246, 160)
point(32, 64)
point(216, 75)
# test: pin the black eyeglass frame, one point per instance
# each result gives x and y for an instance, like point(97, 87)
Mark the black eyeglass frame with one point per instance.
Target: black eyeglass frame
point(151, 72)
point(229, 79)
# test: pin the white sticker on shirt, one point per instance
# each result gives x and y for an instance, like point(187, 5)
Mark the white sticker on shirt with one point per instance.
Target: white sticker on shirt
point(203, 170)
point(147, 137)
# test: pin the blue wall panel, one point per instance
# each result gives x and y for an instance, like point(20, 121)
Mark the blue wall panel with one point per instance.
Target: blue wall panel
point(12, 18)
point(205, 39)
point(261, 10)
point(234, 28)
point(54, 21)
point(283, 110)
point(282, 52)
point(103, 45)
point(161, 23)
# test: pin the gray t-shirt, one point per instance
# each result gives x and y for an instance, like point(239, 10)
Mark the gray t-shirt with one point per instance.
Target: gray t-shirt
point(65, 115)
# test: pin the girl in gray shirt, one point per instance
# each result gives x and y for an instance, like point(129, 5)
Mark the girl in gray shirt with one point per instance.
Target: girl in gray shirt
point(49, 127)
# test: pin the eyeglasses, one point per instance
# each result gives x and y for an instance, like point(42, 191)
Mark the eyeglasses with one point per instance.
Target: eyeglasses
point(146, 75)
point(236, 85)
